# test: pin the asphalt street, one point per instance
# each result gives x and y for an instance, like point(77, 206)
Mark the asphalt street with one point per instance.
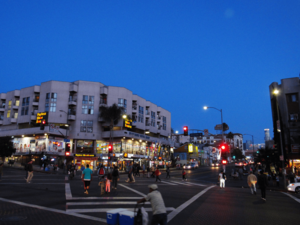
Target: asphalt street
point(54, 199)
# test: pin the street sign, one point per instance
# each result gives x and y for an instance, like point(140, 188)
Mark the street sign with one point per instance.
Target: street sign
point(218, 127)
point(66, 140)
point(128, 123)
point(41, 116)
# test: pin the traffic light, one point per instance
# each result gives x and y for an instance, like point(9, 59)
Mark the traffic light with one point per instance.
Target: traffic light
point(185, 131)
point(42, 126)
point(224, 147)
point(110, 148)
point(68, 148)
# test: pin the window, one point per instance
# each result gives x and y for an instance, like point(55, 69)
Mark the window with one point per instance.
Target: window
point(1, 116)
point(16, 115)
point(103, 100)
point(122, 103)
point(87, 105)
point(164, 123)
point(25, 106)
point(8, 114)
point(152, 119)
point(17, 103)
point(86, 126)
point(52, 107)
point(9, 104)
point(292, 97)
point(293, 117)
point(53, 98)
point(141, 114)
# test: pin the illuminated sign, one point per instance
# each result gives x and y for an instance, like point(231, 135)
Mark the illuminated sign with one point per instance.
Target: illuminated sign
point(125, 155)
point(85, 155)
point(41, 117)
point(128, 123)
point(190, 148)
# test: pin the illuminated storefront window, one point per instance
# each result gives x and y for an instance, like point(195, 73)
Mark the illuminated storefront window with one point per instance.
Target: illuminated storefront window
point(84, 146)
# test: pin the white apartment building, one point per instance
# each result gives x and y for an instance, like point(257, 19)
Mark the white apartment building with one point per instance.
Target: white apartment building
point(73, 110)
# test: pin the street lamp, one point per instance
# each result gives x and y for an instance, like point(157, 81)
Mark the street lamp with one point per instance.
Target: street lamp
point(124, 116)
point(252, 144)
point(276, 93)
point(220, 110)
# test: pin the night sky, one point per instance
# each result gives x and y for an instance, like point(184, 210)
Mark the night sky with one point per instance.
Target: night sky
point(179, 54)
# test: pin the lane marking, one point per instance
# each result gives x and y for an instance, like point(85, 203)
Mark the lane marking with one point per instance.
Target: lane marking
point(196, 184)
point(145, 184)
point(187, 203)
point(176, 182)
point(168, 183)
point(68, 191)
point(54, 210)
point(291, 196)
point(34, 179)
point(103, 203)
point(103, 198)
point(108, 209)
point(140, 193)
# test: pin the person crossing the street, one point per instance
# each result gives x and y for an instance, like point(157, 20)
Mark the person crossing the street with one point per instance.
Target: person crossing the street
point(251, 180)
point(87, 177)
point(263, 183)
point(168, 172)
point(158, 206)
point(157, 174)
point(30, 172)
point(222, 177)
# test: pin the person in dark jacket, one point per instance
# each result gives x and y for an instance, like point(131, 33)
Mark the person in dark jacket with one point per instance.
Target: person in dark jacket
point(115, 177)
point(263, 183)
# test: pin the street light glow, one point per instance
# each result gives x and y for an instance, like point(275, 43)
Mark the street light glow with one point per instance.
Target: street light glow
point(124, 116)
point(205, 107)
point(176, 131)
point(276, 91)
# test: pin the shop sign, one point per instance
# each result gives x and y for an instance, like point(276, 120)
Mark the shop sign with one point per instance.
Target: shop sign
point(41, 116)
point(295, 148)
point(85, 155)
point(128, 123)
point(139, 135)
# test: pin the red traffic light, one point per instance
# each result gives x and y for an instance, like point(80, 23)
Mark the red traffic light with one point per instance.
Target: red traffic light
point(44, 122)
point(185, 131)
point(69, 145)
point(223, 147)
point(185, 128)
point(110, 148)
point(67, 153)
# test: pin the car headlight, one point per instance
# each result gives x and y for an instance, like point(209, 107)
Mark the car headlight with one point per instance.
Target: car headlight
point(291, 184)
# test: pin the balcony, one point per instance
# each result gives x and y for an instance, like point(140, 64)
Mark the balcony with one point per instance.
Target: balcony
point(72, 101)
point(13, 120)
point(159, 118)
point(36, 89)
point(73, 88)
point(17, 93)
point(72, 115)
point(1, 122)
point(134, 107)
point(147, 125)
point(147, 114)
point(16, 106)
point(103, 102)
point(103, 90)
point(35, 101)
point(2, 108)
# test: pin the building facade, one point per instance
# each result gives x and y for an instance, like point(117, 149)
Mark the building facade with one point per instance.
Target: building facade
point(285, 113)
point(73, 110)
point(267, 134)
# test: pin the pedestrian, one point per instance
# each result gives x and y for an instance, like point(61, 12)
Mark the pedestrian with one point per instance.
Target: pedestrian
point(148, 172)
point(102, 185)
point(153, 171)
point(263, 183)
point(157, 174)
point(183, 175)
point(115, 177)
point(277, 180)
point(130, 170)
point(252, 180)
point(222, 177)
point(30, 172)
point(87, 177)
point(1, 170)
point(108, 182)
point(138, 170)
point(158, 206)
point(168, 172)
point(101, 172)
point(241, 173)
point(26, 170)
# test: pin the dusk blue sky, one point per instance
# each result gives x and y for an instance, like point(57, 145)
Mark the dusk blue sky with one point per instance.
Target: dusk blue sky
point(179, 54)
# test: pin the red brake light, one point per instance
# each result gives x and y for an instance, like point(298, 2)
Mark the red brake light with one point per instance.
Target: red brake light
point(67, 153)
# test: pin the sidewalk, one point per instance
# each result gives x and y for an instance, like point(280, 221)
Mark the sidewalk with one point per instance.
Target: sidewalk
point(36, 168)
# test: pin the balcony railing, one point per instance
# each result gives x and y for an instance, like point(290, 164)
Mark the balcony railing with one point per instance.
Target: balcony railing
point(72, 113)
point(148, 124)
point(103, 101)
point(72, 99)
point(134, 107)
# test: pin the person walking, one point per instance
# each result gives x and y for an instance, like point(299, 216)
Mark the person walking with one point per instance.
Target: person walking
point(183, 175)
point(222, 177)
point(148, 172)
point(263, 183)
point(130, 170)
point(153, 171)
point(87, 177)
point(30, 172)
point(158, 206)
point(252, 180)
point(168, 172)
point(138, 170)
point(1, 170)
point(115, 177)
point(157, 174)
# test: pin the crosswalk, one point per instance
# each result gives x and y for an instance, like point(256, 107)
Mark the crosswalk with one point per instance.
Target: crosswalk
point(95, 205)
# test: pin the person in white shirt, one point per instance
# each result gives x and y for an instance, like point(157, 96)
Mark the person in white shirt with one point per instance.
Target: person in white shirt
point(222, 177)
point(158, 205)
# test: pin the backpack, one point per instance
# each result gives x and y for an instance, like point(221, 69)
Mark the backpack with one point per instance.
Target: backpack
point(101, 171)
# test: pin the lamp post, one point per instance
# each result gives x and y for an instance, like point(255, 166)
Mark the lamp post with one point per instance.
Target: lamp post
point(252, 144)
point(276, 93)
point(220, 110)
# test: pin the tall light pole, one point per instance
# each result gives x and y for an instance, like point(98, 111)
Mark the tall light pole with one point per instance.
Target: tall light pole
point(220, 110)
point(276, 93)
point(252, 144)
